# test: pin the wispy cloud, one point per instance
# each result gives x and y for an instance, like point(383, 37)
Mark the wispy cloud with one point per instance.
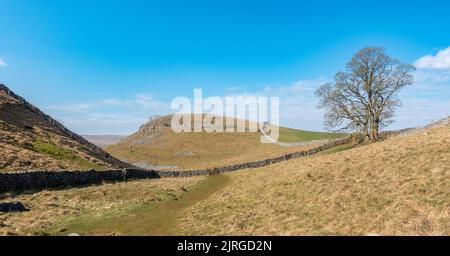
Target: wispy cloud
point(109, 115)
point(439, 61)
point(143, 101)
point(298, 105)
point(426, 100)
point(139, 102)
point(2, 63)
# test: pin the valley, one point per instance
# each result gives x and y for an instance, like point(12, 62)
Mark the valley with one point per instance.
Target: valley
point(335, 193)
point(225, 127)
point(155, 144)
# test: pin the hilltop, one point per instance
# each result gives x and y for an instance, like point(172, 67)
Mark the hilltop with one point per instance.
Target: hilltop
point(31, 139)
point(156, 145)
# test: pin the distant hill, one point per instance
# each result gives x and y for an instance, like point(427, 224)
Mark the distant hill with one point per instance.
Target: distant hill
point(104, 140)
point(155, 145)
point(30, 139)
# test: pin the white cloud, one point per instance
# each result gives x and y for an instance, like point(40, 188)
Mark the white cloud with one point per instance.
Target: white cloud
point(146, 101)
point(101, 123)
point(298, 104)
point(72, 108)
point(2, 63)
point(110, 115)
point(111, 101)
point(140, 101)
point(124, 116)
point(440, 61)
point(417, 111)
point(426, 100)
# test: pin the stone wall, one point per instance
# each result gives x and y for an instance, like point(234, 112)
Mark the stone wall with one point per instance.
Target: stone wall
point(19, 181)
point(100, 153)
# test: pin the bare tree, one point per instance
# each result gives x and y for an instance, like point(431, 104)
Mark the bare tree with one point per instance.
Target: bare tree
point(364, 97)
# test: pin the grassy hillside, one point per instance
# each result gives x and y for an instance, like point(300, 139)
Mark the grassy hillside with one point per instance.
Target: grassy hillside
point(396, 187)
point(294, 135)
point(156, 144)
point(30, 141)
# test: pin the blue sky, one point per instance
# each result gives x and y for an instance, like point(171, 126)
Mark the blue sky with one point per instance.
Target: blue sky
point(104, 67)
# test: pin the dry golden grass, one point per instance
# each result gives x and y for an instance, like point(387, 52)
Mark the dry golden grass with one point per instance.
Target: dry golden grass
point(400, 186)
point(397, 187)
point(51, 210)
point(155, 143)
point(200, 150)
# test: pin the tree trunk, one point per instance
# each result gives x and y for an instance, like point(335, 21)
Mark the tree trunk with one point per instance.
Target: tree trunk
point(374, 133)
point(366, 132)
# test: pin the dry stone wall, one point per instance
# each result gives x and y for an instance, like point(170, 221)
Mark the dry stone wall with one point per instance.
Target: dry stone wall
point(20, 181)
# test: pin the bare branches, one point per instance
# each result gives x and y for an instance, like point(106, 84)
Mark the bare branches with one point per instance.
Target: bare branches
point(363, 98)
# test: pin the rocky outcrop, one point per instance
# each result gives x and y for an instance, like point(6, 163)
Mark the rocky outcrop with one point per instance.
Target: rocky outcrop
point(12, 207)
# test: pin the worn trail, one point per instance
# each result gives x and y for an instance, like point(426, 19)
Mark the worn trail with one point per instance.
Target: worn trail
point(153, 219)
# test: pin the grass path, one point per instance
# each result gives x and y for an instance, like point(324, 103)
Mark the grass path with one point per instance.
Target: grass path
point(153, 219)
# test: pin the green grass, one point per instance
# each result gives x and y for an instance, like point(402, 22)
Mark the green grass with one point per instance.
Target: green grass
point(292, 135)
point(157, 218)
point(62, 154)
point(338, 149)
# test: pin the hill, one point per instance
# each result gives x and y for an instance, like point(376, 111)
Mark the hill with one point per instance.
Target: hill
point(104, 140)
point(31, 139)
point(400, 186)
point(155, 145)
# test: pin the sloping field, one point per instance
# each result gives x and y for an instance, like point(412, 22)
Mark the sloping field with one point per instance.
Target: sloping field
point(396, 187)
point(156, 144)
point(288, 135)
